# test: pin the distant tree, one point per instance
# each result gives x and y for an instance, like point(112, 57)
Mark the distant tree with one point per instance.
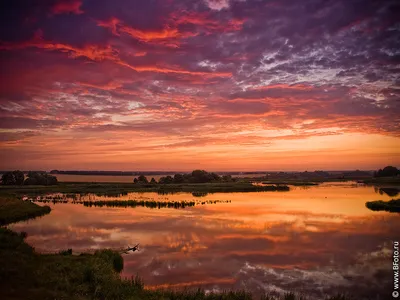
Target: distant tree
point(51, 180)
point(135, 180)
point(40, 178)
point(142, 179)
point(178, 178)
point(166, 180)
point(153, 180)
point(31, 181)
point(214, 177)
point(227, 178)
point(19, 177)
point(13, 178)
point(199, 176)
point(388, 171)
point(8, 179)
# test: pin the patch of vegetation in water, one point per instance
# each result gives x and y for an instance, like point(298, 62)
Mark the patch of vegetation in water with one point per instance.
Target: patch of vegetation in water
point(131, 203)
point(135, 203)
point(294, 183)
point(391, 205)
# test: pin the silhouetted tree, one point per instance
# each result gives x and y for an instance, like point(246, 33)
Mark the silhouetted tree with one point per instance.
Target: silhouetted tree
point(19, 177)
point(178, 178)
point(8, 178)
point(142, 179)
point(214, 177)
point(153, 180)
point(227, 178)
point(166, 180)
point(388, 171)
point(13, 178)
point(199, 176)
point(40, 178)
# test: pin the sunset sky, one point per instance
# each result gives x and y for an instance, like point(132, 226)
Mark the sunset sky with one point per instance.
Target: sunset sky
point(211, 84)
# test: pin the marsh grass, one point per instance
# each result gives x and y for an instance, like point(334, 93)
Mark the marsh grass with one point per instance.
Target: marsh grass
point(383, 181)
point(13, 210)
point(131, 203)
point(390, 206)
point(114, 189)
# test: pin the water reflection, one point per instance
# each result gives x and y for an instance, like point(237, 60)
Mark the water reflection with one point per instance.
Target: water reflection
point(317, 240)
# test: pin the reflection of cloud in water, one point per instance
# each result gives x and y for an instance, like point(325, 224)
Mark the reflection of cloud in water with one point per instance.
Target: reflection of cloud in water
point(259, 243)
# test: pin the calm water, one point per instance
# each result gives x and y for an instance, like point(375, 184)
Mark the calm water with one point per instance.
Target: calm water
point(315, 240)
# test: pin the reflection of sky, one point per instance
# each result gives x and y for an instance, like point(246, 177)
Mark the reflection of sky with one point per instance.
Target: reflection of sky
point(319, 239)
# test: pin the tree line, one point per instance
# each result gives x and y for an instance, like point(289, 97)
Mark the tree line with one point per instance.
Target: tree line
point(196, 176)
point(388, 171)
point(33, 178)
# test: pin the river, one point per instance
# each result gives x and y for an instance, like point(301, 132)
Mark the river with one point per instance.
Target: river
point(318, 240)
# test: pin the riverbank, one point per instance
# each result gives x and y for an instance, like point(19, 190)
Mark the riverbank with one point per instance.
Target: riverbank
point(123, 188)
point(13, 210)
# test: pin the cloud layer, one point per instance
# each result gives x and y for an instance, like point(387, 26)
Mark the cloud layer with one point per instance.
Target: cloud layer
point(204, 82)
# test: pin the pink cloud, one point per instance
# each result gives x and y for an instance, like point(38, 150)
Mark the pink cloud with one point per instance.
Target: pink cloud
point(66, 7)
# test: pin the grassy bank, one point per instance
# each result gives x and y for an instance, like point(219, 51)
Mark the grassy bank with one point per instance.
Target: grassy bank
point(392, 181)
point(14, 210)
point(121, 188)
point(391, 205)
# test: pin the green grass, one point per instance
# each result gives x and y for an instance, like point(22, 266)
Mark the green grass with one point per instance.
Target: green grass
point(121, 188)
point(13, 210)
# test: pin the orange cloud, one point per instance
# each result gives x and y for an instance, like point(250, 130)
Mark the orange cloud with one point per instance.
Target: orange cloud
point(203, 20)
point(168, 36)
point(111, 24)
point(163, 36)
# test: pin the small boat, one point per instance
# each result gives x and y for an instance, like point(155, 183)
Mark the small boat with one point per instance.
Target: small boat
point(133, 249)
